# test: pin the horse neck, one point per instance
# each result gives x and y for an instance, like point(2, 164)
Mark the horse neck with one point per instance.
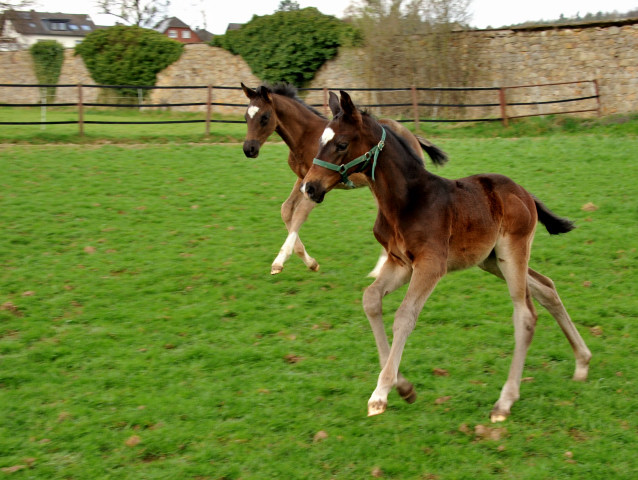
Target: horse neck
point(398, 179)
point(296, 124)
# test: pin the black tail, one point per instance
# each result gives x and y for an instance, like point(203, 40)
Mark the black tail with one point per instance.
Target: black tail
point(553, 223)
point(438, 156)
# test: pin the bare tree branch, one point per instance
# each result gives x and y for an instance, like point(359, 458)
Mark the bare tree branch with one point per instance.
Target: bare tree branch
point(15, 4)
point(143, 13)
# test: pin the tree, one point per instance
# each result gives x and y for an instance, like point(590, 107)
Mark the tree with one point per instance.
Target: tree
point(48, 56)
point(287, 6)
point(411, 42)
point(123, 55)
point(143, 13)
point(288, 46)
point(15, 4)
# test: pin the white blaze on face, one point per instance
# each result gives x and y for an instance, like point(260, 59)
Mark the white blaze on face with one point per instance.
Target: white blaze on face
point(328, 134)
point(252, 111)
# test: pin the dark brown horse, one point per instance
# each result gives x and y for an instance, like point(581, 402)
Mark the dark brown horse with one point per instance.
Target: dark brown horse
point(279, 109)
point(430, 226)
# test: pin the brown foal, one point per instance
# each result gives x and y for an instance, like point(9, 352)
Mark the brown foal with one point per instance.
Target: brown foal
point(430, 226)
point(278, 109)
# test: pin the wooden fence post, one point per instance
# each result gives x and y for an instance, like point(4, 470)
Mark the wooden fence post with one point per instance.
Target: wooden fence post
point(209, 107)
point(597, 97)
point(415, 109)
point(325, 101)
point(503, 102)
point(80, 110)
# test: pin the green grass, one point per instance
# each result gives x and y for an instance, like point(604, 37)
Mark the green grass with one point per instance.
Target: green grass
point(617, 126)
point(153, 133)
point(141, 335)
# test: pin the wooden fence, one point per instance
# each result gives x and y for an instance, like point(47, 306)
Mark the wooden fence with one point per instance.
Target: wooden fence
point(407, 104)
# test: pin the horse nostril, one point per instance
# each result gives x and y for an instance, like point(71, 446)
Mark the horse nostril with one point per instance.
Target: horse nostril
point(251, 150)
point(309, 190)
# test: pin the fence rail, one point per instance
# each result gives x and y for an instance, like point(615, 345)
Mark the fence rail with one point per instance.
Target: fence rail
point(500, 103)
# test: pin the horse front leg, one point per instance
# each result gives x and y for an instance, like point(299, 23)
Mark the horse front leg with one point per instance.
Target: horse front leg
point(423, 281)
point(294, 212)
point(391, 277)
point(380, 262)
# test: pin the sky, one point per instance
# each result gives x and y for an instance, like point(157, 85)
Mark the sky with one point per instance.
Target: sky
point(215, 15)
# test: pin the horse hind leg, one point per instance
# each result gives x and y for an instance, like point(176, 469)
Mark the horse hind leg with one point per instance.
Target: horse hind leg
point(544, 291)
point(294, 212)
point(512, 256)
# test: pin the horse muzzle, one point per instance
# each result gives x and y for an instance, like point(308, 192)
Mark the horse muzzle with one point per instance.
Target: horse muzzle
point(251, 148)
point(313, 191)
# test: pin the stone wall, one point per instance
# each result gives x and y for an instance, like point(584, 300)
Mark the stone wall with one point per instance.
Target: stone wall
point(607, 52)
point(201, 64)
point(17, 68)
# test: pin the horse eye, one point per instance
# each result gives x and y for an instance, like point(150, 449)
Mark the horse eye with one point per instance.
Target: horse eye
point(264, 119)
point(341, 146)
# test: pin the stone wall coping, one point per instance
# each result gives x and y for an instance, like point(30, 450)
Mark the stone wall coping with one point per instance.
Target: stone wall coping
point(574, 25)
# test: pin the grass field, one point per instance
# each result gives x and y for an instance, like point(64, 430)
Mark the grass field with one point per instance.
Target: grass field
point(617, 126)
point(142, 337)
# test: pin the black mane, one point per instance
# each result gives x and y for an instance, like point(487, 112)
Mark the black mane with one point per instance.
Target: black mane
point(412, 156)
point(290, 91)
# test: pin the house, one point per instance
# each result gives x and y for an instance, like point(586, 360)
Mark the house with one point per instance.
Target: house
point(233, 26)
point(174, 28)
point(20, 29)
point(204, 35)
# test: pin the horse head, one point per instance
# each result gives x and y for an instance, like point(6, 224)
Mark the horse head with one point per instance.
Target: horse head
point(345, 147)
point(261, 119)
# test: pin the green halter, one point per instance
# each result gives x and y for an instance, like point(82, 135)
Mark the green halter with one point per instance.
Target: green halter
point(363, 160)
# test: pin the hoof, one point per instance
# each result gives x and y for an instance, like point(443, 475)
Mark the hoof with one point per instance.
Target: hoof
point(497, 417)
point(275, 269)
point(409, 394)
point(314, 267)
point(580, 375)
point(376, 407)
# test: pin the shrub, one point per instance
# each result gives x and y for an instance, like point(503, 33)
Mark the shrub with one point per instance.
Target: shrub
point(48, 56)
point(124, 55)
point(288, 46)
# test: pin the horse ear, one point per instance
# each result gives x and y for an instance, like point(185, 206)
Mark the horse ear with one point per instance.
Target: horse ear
point(265, 93)
point(249, 92)
point(333, 102)
point(349, 108)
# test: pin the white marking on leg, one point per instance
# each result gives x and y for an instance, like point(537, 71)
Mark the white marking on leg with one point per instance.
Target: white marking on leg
point(286, 249)
point(328, 134)
point(252, 111)
point(377, 268)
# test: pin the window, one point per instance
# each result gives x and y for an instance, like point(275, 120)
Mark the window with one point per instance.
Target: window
point(86, 27)
point(186, 34)
point(172, 33)
point(73, 27)
point(58, 25)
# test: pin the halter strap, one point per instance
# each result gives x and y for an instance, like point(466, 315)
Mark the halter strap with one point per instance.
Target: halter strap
point(363, 160)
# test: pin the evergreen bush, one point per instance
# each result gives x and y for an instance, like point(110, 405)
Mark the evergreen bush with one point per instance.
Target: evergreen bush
point(288, 46)
point(127, 55)
point(48, 56)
